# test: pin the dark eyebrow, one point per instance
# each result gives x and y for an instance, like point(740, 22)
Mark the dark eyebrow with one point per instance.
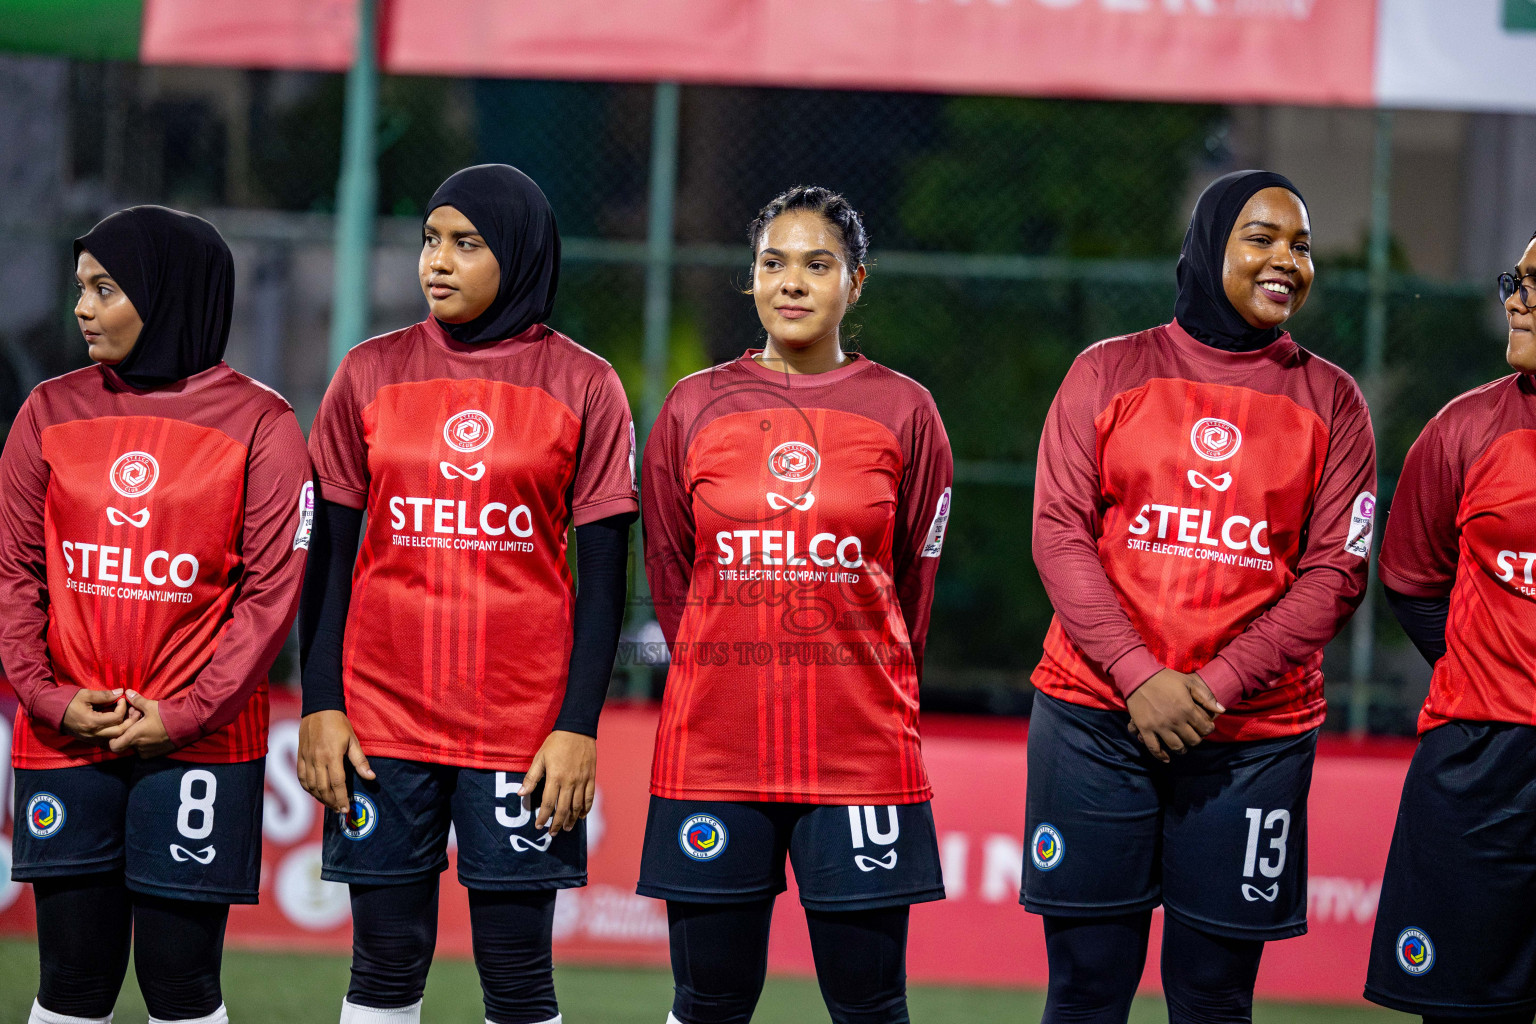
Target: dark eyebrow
point(452, 235)
point(1270, 227)
point(808, 255)
point(98, 278)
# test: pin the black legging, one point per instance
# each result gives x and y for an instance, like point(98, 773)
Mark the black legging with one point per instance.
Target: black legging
point(85, 926)
point(720, 958)
point(1096, 964)
point(394, 934)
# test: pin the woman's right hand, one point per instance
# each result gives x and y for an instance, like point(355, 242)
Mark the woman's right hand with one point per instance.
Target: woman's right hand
point(1172, 712)
point(326, 745)
point(83, 720)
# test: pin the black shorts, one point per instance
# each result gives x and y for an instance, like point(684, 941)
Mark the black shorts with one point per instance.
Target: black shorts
point(396, 831)
point(1456, 925)
point(845, 857)
point(176, 829)
point(1219, 836)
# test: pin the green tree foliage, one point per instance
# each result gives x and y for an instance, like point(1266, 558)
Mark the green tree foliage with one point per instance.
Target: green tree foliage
point(1059, 178)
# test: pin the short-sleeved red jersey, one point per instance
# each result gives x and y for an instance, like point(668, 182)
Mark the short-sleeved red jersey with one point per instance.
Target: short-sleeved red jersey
point(152, 541)
point(473, 462)
point(1463, 524)
point(793, 525)
point(1204, 511)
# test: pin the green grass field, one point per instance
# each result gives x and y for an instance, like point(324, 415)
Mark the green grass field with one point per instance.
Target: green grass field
point(290, 989)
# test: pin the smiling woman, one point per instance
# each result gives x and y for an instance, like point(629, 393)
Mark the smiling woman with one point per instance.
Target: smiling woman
point(1458, 549)
point(1203, 510)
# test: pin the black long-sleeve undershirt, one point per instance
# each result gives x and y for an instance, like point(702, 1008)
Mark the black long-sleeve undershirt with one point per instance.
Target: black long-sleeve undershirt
point(1423, 619)
point(602, 556)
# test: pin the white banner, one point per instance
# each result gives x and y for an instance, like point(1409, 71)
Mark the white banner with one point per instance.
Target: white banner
point(1456, 54)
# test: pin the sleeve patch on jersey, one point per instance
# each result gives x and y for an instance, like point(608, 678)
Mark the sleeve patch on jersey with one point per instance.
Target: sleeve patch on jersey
point(634, 481)
point(935, 542)
point(306, 515)
point(1361, 522)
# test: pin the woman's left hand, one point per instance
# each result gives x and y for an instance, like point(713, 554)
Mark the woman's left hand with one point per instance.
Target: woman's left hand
point(146, 736)
point(567, 764)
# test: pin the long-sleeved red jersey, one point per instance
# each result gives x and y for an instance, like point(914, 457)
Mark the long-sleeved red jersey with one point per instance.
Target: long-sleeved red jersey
point(1205, 511)
point(793, 525)
point(1463, 524)
point(473, 462)
point(152, 541)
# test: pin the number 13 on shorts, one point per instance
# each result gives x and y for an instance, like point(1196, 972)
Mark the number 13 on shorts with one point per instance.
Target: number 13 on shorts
point(1265, 853)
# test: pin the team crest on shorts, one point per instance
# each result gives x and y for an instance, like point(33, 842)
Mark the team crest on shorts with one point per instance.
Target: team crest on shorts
point(45, 815)
point(794, 462)
point(360, 819)
point(1415, 953)
point(468, 431)
point(1046, 847)
point(1215, 439)
point(134, 473)
point(703, 837)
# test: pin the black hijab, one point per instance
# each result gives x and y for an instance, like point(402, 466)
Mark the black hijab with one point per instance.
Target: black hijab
point(180, 277)
point(515, 219)
point(1203, 308)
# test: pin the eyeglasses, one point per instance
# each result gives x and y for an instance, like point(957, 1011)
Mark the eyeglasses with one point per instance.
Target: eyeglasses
point(1511, 283)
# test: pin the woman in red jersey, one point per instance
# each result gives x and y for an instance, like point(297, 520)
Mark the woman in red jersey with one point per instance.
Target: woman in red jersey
point(153, 520)
point(1456, 928)
point(795, 506)
point(1203, 507)
point(453, 649)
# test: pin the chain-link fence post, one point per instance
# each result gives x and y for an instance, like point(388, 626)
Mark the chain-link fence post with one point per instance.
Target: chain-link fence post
point(659, 265)
point(1362, 647)
point(357, 190)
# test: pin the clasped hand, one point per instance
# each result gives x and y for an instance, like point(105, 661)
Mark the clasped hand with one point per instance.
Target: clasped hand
point(130, 725)
point(1172, 712)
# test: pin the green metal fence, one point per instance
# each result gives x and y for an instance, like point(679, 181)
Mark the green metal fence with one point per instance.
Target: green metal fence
point(1007, 235)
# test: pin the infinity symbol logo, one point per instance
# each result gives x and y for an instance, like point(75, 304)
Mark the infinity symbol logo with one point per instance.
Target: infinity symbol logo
point(1198, 480)
point(119, 518)
point(1251, 894)
point(520, 844)
point(450, 471)
point(181, 854)
point(870, 863)
point(800, 504)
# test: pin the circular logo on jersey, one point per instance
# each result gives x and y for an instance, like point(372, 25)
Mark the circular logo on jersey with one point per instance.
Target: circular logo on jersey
point(134, 473)
point(1415, 953)
point(360, 819)
point(794, 462)
point(469, 431)
point(703, 837)
point(1215, 439)
point(45, 815)
point(1046, 847)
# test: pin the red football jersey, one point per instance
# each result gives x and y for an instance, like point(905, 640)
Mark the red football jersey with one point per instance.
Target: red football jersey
point(473, 462)
point(1204, 511)
point(793, 526)
point(1463, 524)
point(152, 541)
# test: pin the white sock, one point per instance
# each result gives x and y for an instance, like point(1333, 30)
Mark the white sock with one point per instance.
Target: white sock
point(351, 1013)
point(672, 1018)
point(219, 1016)
point(42, 1016)
point(556, 1019)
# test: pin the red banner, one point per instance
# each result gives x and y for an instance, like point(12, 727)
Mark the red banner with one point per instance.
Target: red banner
point(1227, 51)
point(979, 935)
